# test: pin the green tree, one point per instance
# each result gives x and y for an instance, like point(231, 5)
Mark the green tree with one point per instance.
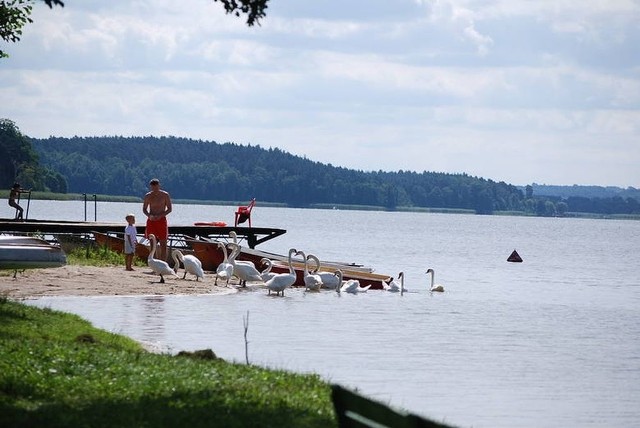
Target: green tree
point(15, 14)
point(562, 208)
point(18, 160)
point(253, 9)
point(529, 191)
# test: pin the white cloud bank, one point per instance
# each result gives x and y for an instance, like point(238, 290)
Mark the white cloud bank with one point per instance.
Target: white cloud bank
point(515, 91)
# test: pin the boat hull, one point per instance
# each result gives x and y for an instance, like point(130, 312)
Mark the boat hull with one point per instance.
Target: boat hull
point(116, 244)
point(18, 252)
point(211, 256)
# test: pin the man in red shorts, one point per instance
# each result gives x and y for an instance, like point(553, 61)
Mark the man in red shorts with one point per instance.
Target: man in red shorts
point(156, 206)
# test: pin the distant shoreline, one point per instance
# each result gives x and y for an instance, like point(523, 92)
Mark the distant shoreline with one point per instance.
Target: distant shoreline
point(133, 199)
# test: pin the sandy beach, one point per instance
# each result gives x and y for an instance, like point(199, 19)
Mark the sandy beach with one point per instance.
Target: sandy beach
point(76, 280)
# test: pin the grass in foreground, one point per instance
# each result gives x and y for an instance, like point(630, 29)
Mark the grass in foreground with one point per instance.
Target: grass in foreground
point(58, 370)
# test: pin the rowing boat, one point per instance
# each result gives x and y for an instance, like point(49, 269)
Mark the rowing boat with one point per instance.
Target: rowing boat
point(211, 256)
point(116, 244)
point(25, 252)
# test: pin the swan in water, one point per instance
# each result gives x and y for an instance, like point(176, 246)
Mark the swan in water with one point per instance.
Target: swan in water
point(191, 264)
point(434, 287)
point(351, 286)
point(279, 281)
point(243, 271)
point(158, 266)
point(266, 274)
point(329, 280)
point(312, 282)
point(224, 269)
point(395, 286)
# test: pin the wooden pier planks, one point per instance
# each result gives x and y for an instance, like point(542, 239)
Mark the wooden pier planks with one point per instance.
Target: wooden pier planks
point(253, 235)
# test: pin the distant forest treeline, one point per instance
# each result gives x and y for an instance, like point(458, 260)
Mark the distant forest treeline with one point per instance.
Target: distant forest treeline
point(203, 170)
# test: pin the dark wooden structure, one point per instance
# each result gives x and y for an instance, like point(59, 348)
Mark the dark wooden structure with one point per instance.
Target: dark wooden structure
point(253, 235)
point(356, 411)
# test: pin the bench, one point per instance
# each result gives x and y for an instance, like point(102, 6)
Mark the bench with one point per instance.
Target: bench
point(355, 411)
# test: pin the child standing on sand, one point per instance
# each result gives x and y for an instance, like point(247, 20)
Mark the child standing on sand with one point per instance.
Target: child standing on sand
point(130, 240)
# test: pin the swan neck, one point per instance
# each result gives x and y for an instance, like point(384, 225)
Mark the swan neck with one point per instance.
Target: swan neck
point(153, 247)
point(224, 253)
point(291, 269)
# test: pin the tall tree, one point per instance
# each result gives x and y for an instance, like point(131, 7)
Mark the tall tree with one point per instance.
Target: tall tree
point(17, 157)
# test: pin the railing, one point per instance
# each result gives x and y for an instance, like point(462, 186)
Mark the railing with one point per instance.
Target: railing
point(28, 192)
point(95, 207)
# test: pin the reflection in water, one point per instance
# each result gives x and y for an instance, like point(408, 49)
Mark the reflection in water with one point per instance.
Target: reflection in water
point(153, 319)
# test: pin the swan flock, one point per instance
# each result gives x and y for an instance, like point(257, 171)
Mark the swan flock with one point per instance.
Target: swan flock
point(309, 270)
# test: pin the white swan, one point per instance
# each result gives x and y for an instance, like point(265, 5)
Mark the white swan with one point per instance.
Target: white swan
point(191, 264)
point(280, 281)
point(234, 236)
point(434, 287)
point(312, 282)
point(351, 286)
point(329, 280)
point(159, 267)
point(395, 286)
point(266, 273)
point(224, 269)
point(243, 271)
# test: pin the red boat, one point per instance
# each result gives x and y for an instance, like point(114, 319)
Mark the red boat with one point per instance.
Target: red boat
point(211, 256)
point(116, 244)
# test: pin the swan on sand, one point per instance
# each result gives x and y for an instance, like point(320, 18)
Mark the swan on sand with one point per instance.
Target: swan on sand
point(191, 264)
point(224, 269)
point(158, 266)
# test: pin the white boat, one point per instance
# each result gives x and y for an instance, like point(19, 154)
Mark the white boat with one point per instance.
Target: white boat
point(26, 252)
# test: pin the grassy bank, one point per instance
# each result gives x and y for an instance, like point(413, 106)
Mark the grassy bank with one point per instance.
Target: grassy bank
point(57, 370)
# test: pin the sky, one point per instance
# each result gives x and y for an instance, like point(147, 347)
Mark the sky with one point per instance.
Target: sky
point(520, 91)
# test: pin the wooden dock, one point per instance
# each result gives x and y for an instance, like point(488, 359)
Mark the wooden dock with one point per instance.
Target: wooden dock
point(253, 235)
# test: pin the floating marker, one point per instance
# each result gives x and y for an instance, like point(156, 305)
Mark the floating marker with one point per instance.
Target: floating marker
point(515, 257)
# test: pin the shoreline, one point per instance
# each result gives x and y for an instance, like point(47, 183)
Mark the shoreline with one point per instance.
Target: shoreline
point(90, 281)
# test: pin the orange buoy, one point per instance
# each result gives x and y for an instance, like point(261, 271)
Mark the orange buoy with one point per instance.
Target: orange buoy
point(514, 257)
point(210, 223)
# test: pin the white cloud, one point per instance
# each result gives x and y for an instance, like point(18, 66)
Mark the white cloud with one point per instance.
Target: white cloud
point(520, 91)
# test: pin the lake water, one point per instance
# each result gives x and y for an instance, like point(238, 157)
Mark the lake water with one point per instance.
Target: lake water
point(553, 341)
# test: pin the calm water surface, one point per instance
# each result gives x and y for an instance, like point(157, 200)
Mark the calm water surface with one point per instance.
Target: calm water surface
point(553, 341)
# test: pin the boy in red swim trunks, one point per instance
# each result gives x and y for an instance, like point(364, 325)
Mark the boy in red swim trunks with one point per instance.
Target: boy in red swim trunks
point(156, 206)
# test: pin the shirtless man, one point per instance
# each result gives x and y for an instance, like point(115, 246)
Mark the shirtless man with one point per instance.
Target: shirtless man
point(156, 206)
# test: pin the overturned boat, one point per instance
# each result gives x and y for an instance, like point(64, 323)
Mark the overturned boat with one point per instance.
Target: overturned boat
point(26, 252)
point(116, 244)
point(211, 256)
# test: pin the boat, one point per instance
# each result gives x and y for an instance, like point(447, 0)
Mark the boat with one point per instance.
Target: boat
point(26, 252)
point(211, 256)
point(210, 223)
point(116, 244)
point(364, 277)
